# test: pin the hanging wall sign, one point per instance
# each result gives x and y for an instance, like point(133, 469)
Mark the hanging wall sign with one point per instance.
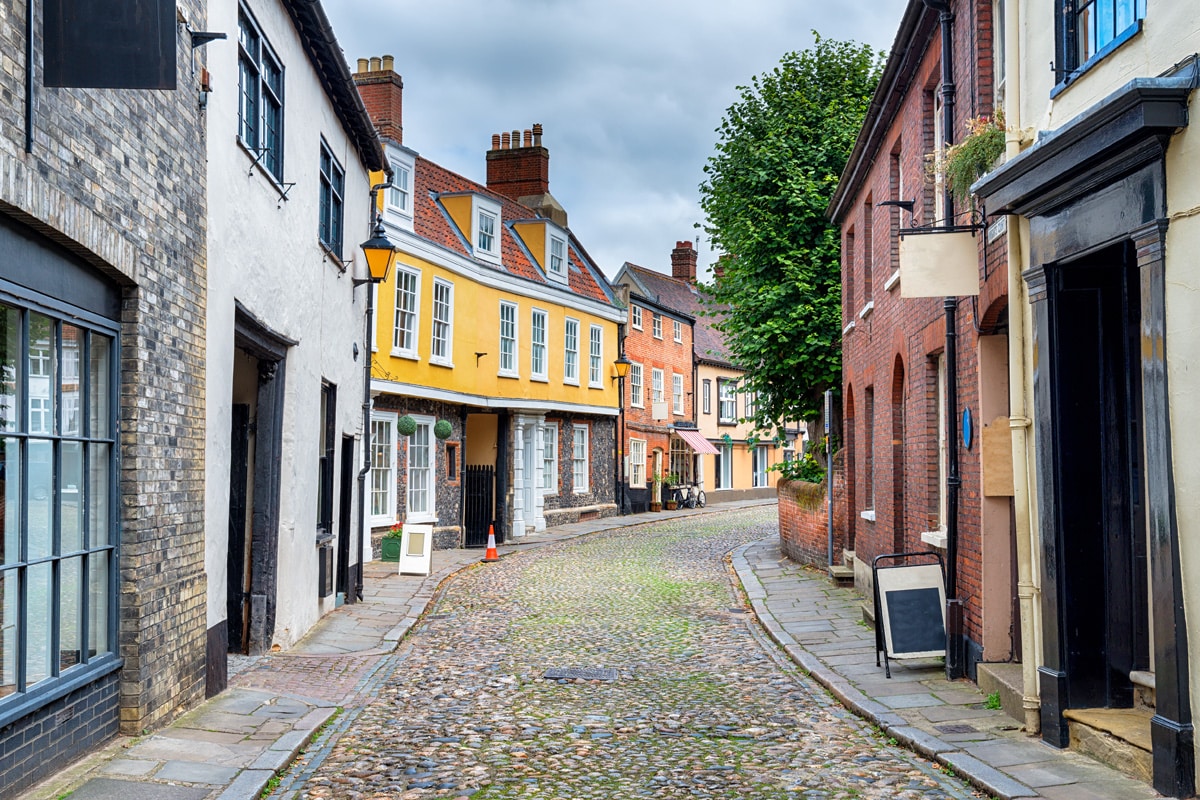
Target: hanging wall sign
point(126, 45)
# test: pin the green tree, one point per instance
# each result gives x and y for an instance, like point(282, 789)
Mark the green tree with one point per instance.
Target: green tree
point(781, 151)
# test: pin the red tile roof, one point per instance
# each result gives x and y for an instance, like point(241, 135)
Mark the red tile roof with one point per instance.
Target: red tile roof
point(433, 223)
point(685, 297)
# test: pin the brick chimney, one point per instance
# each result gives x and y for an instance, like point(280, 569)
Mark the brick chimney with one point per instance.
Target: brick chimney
point(683, 262)
point(518, 167)
point(382, 92)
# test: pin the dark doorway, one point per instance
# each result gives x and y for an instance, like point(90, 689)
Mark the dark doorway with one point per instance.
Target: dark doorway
point(1100, 553)
point(237, 582)
point(345, 580)
point(479, 481)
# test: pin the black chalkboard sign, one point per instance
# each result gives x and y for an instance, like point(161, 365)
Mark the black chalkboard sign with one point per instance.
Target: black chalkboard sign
point(910, 606)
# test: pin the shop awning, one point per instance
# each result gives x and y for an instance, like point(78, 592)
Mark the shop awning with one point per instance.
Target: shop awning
point(697, 442)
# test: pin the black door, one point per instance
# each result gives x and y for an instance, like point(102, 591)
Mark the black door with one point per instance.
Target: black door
point(235, 560)
point(1101, 550)
point(345, 573)
point(478, 514)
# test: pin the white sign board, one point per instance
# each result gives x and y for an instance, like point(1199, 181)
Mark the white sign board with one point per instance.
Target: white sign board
point(658, 410)
point(416, 549)
point(912, 601)
point(939, 264)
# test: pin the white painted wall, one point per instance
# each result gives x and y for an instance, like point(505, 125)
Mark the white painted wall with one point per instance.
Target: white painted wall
point(264, 254)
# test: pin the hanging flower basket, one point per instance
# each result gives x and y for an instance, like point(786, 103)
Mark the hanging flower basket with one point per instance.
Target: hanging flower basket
point(443, 429)
point(406, 425)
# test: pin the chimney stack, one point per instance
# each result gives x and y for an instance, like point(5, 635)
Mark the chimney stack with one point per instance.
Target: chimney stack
point(382, 93)
point(518, 167)
point(683, 262)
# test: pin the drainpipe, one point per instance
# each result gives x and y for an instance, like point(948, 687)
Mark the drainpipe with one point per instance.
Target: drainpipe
point(955, 666)
point(1019, 422)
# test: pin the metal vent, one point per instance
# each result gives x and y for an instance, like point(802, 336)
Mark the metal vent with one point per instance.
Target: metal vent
point(581, 673)
point(955, 729)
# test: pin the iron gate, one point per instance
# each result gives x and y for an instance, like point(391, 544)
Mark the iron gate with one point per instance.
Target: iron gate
point(480, 483)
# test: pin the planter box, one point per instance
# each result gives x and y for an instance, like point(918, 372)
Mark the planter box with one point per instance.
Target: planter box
point(389, 548)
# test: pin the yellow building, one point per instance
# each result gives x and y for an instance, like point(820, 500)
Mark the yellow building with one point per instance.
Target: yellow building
point(494, 341)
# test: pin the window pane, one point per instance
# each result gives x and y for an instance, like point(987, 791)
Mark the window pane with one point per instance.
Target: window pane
point(10, 366)
point(8, 632)
point(98, 579)
point(10, 491)
point(98, 382)
point(381, 468)
point(40, 497)
point(40, 599)
point(70, 505)
point(41, 374)
point(70, 610)
point(99, 519)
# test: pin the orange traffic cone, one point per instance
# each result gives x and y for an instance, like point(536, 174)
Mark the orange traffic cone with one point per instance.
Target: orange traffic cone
point(491, 554)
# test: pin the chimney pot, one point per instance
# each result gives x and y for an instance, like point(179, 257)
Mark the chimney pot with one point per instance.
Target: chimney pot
point(374, 63)
point(495, 141)
point(362, 64)
point(389, 63)
point(537, 134)
point(527, 138)
point(505, 141)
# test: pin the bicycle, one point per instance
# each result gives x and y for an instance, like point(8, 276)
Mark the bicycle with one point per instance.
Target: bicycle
point(694, 497)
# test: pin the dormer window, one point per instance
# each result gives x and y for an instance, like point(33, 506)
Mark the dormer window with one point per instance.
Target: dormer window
point(556, 256)
point(486, 234)
point(398, 200)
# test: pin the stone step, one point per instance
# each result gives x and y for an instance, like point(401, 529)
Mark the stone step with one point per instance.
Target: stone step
point(1005, 679)
point(1118, 737)
point(841, 574)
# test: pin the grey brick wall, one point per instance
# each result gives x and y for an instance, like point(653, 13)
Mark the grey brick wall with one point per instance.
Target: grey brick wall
point(118, 177)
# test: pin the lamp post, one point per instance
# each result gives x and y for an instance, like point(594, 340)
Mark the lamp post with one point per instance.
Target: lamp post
point(621, 367)
point(380, 255)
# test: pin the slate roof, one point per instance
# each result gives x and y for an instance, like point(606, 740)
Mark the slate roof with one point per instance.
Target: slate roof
point(433, 223)
point(708, 344)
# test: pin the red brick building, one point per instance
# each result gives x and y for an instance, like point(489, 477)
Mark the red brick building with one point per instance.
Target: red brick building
point(901, 434)
point(659, 391)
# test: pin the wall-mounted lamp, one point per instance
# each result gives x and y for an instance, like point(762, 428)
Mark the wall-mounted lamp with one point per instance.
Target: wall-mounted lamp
point(621, 367)
point(380, 253)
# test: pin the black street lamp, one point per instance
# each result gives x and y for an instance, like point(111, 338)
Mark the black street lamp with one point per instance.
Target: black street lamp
point(380, 255)
point(621, 367)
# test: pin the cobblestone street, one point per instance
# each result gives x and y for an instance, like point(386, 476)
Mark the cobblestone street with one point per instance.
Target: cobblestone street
point(702, 705)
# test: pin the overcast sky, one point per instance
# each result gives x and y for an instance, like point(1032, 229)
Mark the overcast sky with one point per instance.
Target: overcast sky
point(630, 93)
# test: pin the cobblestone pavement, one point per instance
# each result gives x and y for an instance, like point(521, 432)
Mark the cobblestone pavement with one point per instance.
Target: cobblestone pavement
point(702, 706)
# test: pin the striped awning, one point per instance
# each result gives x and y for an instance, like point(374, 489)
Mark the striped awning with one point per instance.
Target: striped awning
point(697, 442)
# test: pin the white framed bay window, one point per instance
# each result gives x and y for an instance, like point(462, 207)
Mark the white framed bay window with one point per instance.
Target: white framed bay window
point(383, 468)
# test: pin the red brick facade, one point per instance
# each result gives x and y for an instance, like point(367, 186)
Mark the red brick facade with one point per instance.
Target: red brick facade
point(803, 519)
point(519, 170)
point(893, 346)
point(382, 93)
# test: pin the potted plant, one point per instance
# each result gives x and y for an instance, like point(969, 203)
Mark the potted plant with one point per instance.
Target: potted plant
point(670, 482)
point(656, 492)
point(389, 545)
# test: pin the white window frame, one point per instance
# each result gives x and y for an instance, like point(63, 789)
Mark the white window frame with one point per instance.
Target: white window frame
point(656, 325)
point(571, 351)
point(678, 330)
point(557, 267)
point(579, 463)
point(414, 315)
point(676, 394)
point(636, 316)
point(550, 458)
point(726, 395)
point(383, 468)
point(443, 321)
point(481, 208)
point(750, 402)
point(706, 395)
point(636, 386)
point(657, 387)
point(512, 369)
point(724, 471)
point(539, 322)
point(758, 466)
point(596, 357)
point(398, 201)
point(637, 463)
point(429, 514)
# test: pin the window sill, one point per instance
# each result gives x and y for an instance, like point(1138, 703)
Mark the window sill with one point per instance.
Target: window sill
point(866, 310)
point(514, 375)
point(595, 385)
point(868, 515)
point(442, 363)
point(539, 379)
point(937, 539)
point(421, 519)
point(333, 256)
point(256, 164)
point(894, 281)
point(1120, 39)
point(569, 382)
point(848, 328)
point(409, 354)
